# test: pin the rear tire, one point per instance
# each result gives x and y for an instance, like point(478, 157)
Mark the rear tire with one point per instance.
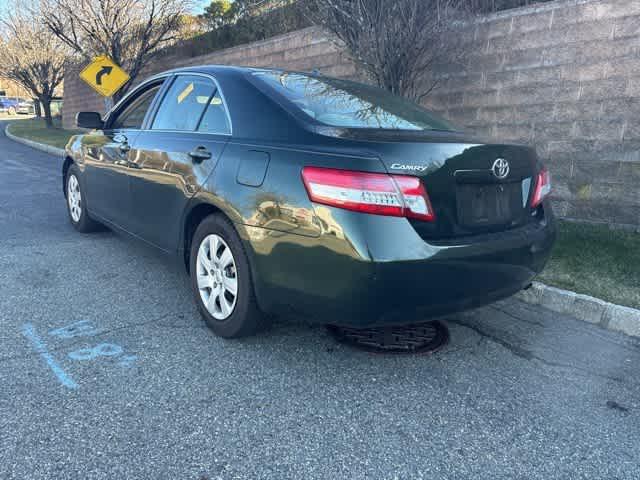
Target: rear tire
point(75, 196)
point(221, 280)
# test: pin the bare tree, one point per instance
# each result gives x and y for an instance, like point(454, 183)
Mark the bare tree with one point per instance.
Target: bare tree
point(131, 32)
point(396, 42)
point(32, 56)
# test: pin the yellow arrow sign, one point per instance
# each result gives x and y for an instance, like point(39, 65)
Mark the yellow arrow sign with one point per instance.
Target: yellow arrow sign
point(104, 76)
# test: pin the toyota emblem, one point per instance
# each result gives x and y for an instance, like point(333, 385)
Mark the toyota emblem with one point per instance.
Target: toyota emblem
point(500, 168)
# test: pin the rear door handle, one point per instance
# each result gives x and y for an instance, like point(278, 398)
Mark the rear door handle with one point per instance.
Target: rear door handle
point(200, 154)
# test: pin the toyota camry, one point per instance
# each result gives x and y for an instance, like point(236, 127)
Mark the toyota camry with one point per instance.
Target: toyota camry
point(294, 194)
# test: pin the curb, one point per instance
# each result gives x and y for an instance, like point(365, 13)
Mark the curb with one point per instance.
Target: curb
point(583, 307)
point(38, 146)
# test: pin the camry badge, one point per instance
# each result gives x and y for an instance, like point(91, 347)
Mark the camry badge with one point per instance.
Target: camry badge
point(500, 168)
point(413, 168)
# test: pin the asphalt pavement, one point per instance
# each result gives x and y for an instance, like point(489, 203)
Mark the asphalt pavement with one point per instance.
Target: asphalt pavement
point(108, 372)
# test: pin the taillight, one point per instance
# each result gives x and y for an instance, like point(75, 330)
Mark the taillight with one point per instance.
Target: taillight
point(376, 193)
point(542, 189)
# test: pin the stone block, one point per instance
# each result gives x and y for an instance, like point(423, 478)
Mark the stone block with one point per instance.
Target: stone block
point(589, 309)
point(480, 98)
point(536, 113)
point(533, 294)
point(550, 131)
point(530, 94)
point(607, 130)
point(558, 300)
point(532, 22)
point(464, 116)
point(500, 79)
point(588, 31)
point(617, 8)
point(604, 89)
point(576, 72)
point(496, 114)
point(586, 169)
point(563, 17)
point(623, 319)
point(498, 27)
point(515, 133)
point(464, 82)
point(522, 59)
point(624, 67)
point(627, 27)
point(571, 111)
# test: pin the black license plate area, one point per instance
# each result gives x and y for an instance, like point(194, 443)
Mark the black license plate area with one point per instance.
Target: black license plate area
point(485, 205)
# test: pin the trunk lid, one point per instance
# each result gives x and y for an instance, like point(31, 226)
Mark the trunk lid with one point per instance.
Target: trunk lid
point(475, 187)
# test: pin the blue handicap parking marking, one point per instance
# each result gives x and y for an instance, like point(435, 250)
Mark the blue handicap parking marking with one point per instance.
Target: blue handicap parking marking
point(127, 360)
point(75, 330)
point(39, 346)
point(102, 350)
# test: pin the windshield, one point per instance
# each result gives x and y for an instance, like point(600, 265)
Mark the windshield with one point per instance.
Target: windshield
point(341, 103)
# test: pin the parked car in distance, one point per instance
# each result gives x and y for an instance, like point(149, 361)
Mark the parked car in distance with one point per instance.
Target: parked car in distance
point(288, 193)
point(26, 107)
point(9, 105)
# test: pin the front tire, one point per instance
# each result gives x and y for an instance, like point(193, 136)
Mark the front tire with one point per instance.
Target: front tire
point(76, 208)
point(221, 280)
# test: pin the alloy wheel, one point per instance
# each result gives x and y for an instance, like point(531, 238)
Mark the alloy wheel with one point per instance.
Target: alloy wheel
point(74, 198)
point(217, 277)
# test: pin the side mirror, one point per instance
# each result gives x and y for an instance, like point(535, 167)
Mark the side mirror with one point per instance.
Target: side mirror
point(90, 120)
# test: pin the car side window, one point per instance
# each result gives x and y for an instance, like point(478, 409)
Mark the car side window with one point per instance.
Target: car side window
point(133, 114)
point(215, 118)
point(182, 106)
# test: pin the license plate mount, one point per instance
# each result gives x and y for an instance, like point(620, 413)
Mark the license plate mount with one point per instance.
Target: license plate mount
point(486, 205)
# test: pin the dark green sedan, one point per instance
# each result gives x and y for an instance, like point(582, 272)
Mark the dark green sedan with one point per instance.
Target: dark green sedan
point(300, 195)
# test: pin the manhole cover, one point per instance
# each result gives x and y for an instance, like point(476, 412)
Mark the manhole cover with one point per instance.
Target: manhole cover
point(418, 338)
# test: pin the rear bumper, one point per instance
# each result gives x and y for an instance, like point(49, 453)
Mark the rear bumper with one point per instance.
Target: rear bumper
point(377, 271)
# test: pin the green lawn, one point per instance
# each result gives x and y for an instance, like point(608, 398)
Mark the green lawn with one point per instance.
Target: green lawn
point(597, 261)
point(35, 129)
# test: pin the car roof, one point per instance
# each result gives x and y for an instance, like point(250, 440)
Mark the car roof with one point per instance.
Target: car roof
point(221, 69)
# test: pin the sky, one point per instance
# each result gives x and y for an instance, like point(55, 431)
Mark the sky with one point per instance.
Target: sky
point(198, 6)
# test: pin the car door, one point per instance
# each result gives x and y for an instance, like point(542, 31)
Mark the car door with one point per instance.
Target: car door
point(175, 155)
point(108, 157)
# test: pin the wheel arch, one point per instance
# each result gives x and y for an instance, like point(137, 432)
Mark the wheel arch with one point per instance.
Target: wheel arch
point(192, 219)
point(68, 161)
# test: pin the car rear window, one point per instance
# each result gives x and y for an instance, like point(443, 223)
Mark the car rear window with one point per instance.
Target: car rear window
point(341, 103)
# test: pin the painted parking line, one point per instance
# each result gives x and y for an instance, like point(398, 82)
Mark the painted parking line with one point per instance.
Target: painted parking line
point(41, 348)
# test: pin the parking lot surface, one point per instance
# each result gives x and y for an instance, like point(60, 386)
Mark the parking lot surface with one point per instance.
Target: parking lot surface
point(108, 372)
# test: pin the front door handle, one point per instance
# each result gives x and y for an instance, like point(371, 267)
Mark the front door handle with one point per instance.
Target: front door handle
point(200, 154)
